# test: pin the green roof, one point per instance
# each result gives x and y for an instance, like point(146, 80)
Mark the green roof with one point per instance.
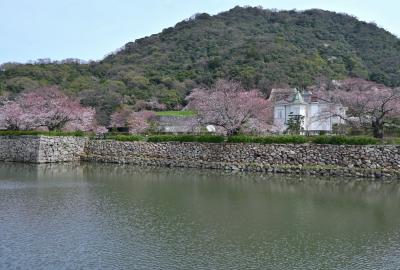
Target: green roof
point(298, 98)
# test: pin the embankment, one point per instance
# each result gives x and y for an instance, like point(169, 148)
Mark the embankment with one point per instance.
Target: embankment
point(375, 161)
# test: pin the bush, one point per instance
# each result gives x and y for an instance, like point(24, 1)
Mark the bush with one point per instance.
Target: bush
point(168, 138)
point(391, 141)
point(186, 138)
point(283, 139)
point(210, 138)
point(345, 140)
point(126, 138)
point(297, 139)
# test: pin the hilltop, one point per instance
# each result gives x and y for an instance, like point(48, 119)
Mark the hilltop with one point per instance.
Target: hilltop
point(259, 47)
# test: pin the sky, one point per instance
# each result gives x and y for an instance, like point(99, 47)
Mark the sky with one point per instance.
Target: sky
point(90, 29)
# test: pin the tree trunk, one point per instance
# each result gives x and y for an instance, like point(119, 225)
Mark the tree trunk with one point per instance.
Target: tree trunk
point(377, 128)
point(232, 132)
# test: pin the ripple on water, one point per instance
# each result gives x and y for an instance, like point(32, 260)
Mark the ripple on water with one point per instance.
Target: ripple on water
point(121, 217)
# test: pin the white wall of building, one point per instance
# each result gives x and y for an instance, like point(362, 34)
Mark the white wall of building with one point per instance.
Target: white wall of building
point(315, 115)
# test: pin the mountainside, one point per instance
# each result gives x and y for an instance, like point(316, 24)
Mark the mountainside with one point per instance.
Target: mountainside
point(260, 48)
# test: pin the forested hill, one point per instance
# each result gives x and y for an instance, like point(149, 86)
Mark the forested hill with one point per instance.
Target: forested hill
point(261, 48)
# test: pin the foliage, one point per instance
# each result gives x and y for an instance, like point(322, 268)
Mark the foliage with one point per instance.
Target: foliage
point(46, 108)
point(176, 113)
point(104, 101)
point(340, 129)
point(210, 138)
point(295, 124)
point(125, 138)
point(44, 133)
point(347, 140)
point(283, 139)
point(369, 104)
point(229, 106)
point(391, 140)
point(119, 119)
point(186, 138)
point(297, 139)
point(260, 48)
point(152, 105)
point(135, 122)
point(140, 122)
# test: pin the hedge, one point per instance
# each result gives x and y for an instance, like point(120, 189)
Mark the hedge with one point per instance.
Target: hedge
point(186, 138)
point(125, 138)
point(283, 139)
point(345, 140)
point(297, 139)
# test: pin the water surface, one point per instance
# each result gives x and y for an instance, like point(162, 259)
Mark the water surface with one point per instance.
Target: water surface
point(93, 216)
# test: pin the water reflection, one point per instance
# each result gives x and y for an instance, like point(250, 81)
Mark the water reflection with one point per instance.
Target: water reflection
point(115, 216)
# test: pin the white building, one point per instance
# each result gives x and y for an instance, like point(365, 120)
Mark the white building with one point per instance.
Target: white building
point(319, 115)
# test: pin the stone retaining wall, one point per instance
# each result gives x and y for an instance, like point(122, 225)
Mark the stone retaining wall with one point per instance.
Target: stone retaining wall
point(364, 161)
point(41, 149)
point(19, 148)
point(333, 160)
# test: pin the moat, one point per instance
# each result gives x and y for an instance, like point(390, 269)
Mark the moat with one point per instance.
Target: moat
point(106, 216)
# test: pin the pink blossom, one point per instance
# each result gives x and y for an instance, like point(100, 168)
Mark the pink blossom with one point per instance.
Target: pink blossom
point(100, 130)
point(47, 108)
point(228, 105)
point(120, 118)
point(368, 103)
point(139, 122)
point(11, 116)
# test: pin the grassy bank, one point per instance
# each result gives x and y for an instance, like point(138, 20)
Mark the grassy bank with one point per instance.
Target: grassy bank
point(176, 113)
point(277, 139)
point(284, 139)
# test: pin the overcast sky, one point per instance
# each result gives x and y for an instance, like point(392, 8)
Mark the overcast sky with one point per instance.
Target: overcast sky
point(89, 29)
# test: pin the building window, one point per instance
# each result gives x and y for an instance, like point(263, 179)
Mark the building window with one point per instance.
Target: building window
point(296, 110)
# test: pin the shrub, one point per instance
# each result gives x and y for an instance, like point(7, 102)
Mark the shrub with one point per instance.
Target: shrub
point(283, 139)
point(210, 138)
point(391, 141)
point(126, 138)
point(186, 138)
point(345, 140)
point(297, 139)
point(163, 138)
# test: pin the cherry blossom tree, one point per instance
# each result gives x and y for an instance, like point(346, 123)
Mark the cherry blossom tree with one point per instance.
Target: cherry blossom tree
point(119, 119)
point(136, 122)
point(100, 130)
point(84, 121)
point(47, 108)
point(139, 122)
point(153, 105)
point(228, 105)
point(11, 116)
point(369, 104)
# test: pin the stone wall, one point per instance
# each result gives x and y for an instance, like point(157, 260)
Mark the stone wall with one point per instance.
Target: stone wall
point(363, 161)
point(330, 160)
point(61, 149)
point(41, 149)
point(19, 148)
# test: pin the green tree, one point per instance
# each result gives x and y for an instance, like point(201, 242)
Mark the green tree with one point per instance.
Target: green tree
point(295, 124)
